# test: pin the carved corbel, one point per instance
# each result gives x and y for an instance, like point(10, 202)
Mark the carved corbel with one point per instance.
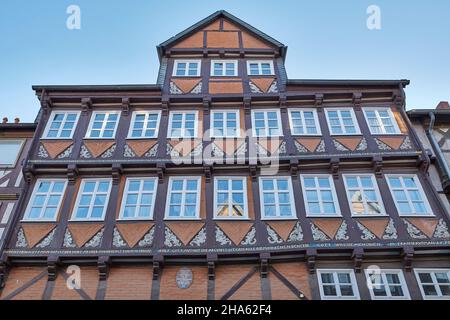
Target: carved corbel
point(264, 264)
point(52, 267)
point(116, 173)
point(398, 100)
point(206, 105)
point(311, 260)
point(318, 99)
point(377, 164)
point(294, 168)
point(156, 269)
point(211, 270)
point(358, 255)
point(222, 53)
point(357, 99)
point(247, 104)
point(28, 173)
point(283, 102)
point(46, 104)
point(253, 172)
point(72, 173)
point(423, 163)
point(103, 267)
point(86, 104)
point(161, 167)
point(408, 256)
point(165, 107)
point(207, 170)
point(334, 167)
point(125, 106)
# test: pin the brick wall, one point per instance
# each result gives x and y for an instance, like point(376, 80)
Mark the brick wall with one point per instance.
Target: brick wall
point(20, 277)
point(197, 290)
point(134, 283)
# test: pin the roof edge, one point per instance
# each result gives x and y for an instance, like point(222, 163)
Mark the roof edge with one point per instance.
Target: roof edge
point(348, 82)
point(119, 87)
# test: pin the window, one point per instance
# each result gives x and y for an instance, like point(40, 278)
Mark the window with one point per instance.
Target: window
point(266, 123)
point(183, 198)
point(103, 124)
point(363, 195)
point(227, 68)
point(187, 68)
point(320, 195)
point(230, 197)
point(342, 122)
point(277, 199)
point(408, 195)
point(225, 124)
point(387, 284)
point(434, 283)
point(183, 124)
point(304, 122)
point(46, 200)
point(337, 284)
point(381, 121)
point(138, 199)
point(260, 68)
point(144, 125)
point(92, 199)
point(10, 152)
point(61, 125)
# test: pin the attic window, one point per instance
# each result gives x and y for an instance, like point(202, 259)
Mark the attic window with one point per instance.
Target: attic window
point(220, 68)
point(186, 68)
point(260, 68)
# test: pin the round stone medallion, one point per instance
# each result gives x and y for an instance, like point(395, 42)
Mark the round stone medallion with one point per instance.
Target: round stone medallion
point(184, 278)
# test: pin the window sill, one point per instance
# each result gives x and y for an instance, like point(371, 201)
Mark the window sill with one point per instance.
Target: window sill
point(429, 215)
point(86, 221)
point(98, 138)
point(38, 221)
point(324, 216)
point(232, 219)
point(142, 138)
point(134, 220)
point(62, 139)
point(279, 218)
point(389, 134)
point(345, 134)
point(183, 219)
point(354, 216)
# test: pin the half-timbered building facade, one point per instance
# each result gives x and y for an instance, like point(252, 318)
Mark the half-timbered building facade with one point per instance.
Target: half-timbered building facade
point(227, 180)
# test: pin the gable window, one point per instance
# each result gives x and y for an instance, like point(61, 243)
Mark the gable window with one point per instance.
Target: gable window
point(304, 122)
point(103, 124)
point(337, 284)
point(224, 68)
point(230, 197)
point(183, 198)
point(183, 124)
point(434, 283)
point(387, 284)
point(260, 68)
point(10, 152)
point(266, 123)
point(225, 123)
point(408, 195)
point(381, 121)
point(187, 68)
point(144, 124)
point(46, 200)
point(139, 199)
point(61, 125)
point(277, 199)
point(320, 195)
point(342, 121)
point(363, 195)
point(92, 200)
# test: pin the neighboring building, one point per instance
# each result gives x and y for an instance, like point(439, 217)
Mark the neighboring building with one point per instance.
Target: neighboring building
point(330, 184)
point(15, 141)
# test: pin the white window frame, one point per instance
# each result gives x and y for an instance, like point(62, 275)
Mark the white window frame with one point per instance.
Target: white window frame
point(139, 194)
point(302, 111)
point(93, 194)
point(266, 119)
point(224, 62)
point(361, 189)
point(47, 195)
point(333, 193)
point(354, 119)
point(435, 283)
point(277, 204)
point(380, 123)
point(238, 122)
point(183, 192)
point(19, 153)
point(260, 62)
point(102, 130)
point(353, 283)
point(429, 212)
point(146, 114)
point(187, 61)
point(49, 123)
point(229, 192)
point(384, 283)
point(183, 124)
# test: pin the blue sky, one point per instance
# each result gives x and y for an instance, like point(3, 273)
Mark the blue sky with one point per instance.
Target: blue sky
point(116, 43)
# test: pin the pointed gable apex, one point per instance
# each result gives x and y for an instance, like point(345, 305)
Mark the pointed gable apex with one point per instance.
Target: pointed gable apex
point(193, 37)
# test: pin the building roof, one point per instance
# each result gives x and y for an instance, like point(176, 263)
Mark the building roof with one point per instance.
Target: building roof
point(348, 82)
point(18, 126)
point(205, 22)
point(119, 87)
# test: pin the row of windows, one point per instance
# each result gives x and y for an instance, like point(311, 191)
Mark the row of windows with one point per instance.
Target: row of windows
point(383, 284)
point(224, 123)
point(222, 68)
point(230, 197)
